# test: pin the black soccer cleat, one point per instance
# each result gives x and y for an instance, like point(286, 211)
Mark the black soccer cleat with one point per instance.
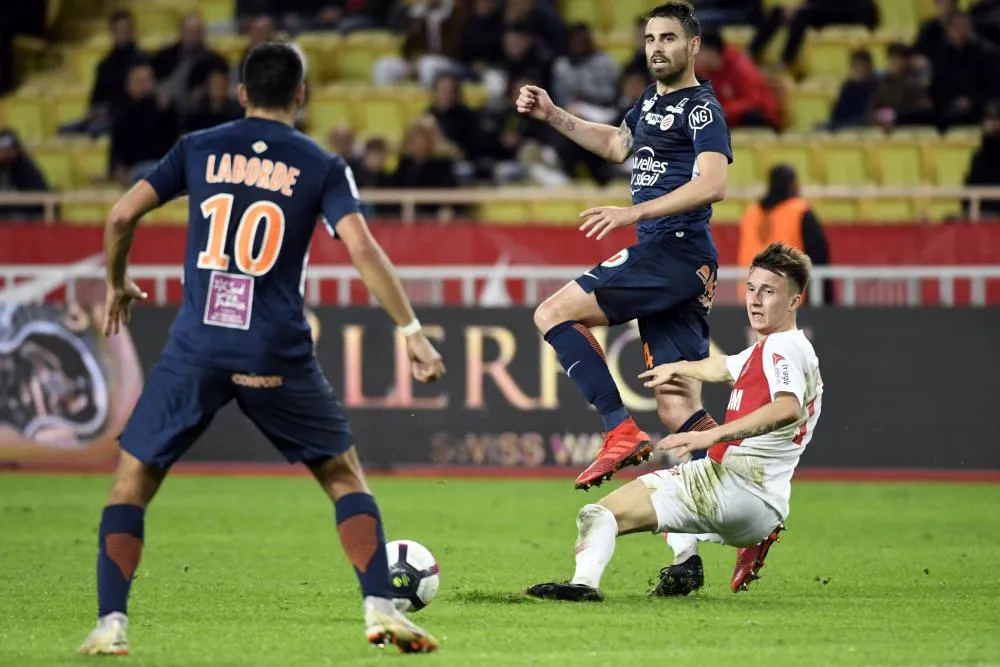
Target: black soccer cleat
point(566, 592)
point(681, 579)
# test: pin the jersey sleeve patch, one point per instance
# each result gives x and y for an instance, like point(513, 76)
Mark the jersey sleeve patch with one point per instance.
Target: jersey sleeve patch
point(784, 372)
point(700, 117)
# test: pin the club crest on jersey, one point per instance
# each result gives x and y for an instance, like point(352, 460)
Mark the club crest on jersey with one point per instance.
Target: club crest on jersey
point(700, 117)
point(667, 122)
point(616, 260)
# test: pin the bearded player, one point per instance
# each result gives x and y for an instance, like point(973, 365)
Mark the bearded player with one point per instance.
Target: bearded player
point(739, 494)
point(678, 136)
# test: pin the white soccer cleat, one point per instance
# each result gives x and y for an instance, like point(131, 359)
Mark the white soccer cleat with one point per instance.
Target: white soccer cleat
point(386, 625)
point(109, 637)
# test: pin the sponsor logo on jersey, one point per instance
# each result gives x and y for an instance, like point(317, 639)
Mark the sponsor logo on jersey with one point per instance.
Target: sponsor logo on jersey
point(646, 170)
point(781, 372)
point(700, 117)
point(648, 104)
point(653, 118)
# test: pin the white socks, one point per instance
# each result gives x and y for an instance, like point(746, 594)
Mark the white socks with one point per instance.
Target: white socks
point(683, 545)
point(595, 544)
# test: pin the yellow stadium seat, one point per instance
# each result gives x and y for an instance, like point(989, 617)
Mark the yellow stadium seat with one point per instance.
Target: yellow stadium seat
point(174, 212)
point(900, 209)
point(27, 116)
point(56, 163)
point(621, 46)
point(594, 13)
point(898, 13)
point(743, 171)
point(728, 211)
point(564, 212)
point(952, 162)
point(359, 52)
point(68, 105)
point(85, 58)
point(157, 18)
point(475, 95)
point(828, 57)
point(330, 108)
point(214, 11)
point(83, 213)
point(943, 209)
point(624, 13)
point(811, 106)
point(837, 210)
point(738, 35)
point(843, 162)
point(384, 115)
point(901, 162)
point(91, 160)
point(321, 50)
point(230, 47)
point(795, 150)
point(505, 212)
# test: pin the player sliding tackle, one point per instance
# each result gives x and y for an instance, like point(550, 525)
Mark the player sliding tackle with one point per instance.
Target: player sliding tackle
point(738, 495)
point(256, 189)
point(678, 136)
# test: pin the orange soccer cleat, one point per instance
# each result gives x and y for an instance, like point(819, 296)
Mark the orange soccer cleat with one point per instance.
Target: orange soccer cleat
point(749, 561)
point(625, 445)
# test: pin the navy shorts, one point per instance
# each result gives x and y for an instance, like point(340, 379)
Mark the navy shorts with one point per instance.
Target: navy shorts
point(667, 284)
point(301, 417)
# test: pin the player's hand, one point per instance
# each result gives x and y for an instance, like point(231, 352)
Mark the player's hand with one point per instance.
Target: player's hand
point(118, 305)
point(602, 220)
point(424, 359)
point(682, 444)
point(536, 103)
point(661, 375)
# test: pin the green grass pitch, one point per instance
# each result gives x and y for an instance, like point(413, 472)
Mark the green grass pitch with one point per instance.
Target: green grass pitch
point(248, 571)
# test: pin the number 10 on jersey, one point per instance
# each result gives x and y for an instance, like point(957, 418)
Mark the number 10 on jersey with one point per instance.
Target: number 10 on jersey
point(219, 210)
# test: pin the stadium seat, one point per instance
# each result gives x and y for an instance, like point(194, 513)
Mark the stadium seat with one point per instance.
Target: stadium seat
point(386, 115)
point(26, 113)
point(837, 210)
point(321, 49)
point(595, 13)
point(91, 160)
point(940, 209)
point(729, 210)
point(901, 161)
point(811, 104)
point(622, 14)
point(359, 51)
point(621, 46)
point(83, 213)
point(505, 212)
point(842, 160)
point(901, 209)
point(174, 212)
point(794, 149)
point(743, 171)
point(56, 163)
point(953, 155)
point(329, 108)
point(898, 13)
point(68, 104)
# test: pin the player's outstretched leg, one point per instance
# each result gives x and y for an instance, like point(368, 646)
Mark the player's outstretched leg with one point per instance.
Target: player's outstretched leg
point(565, 319)
point(626, 510)
point(119, 548)
point(749, 561)
point(359, 525)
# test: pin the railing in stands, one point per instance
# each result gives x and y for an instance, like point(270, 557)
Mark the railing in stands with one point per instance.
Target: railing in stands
point(408, 200)
point(527, 285)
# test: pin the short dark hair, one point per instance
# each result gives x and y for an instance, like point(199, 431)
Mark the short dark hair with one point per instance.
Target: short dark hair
point(121, 15)
point(786, 261)
point(862, 55)
point(681, 10)
point(271, 73)
point(711, 39)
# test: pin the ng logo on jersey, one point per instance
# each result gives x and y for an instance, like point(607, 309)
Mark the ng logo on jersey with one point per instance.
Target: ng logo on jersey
point(700, 117)
point(646, 169)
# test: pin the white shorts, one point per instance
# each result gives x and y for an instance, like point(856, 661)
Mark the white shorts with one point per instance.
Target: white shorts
point(704, 498)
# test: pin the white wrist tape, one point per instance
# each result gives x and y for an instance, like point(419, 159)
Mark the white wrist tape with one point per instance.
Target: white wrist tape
point(411, 328)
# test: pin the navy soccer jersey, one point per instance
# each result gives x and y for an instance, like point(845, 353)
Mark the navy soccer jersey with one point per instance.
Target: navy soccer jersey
point(256, 189)
point(669, 132)
point(667, 280)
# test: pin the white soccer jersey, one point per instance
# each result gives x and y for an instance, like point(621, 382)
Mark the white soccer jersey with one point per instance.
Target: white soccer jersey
point(783, 362)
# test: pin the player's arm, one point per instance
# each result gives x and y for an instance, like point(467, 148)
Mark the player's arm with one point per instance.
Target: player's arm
point(611, 143)
point(120, 229)
point(713, 369)
point(783, 410)
point(375, 268)
point(709, 187)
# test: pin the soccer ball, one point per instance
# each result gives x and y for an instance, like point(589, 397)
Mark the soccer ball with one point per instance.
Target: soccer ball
point(413, 572)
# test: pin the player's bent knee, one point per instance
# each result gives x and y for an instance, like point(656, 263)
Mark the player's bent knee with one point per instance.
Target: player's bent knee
point(135, 482)
point(632, 508)
point(547, 315)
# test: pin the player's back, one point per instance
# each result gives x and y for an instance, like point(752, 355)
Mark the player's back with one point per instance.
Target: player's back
point(256, 189)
